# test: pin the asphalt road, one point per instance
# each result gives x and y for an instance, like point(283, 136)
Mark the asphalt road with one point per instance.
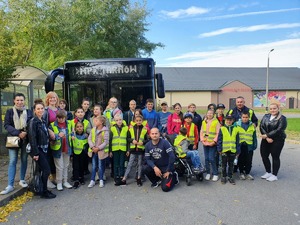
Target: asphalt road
point(248, 202)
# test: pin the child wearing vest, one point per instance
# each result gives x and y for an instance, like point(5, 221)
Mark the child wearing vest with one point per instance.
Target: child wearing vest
point(98, 142)
point(137, 138)
point(79, 144)
point(192, 131)
point(61, 149)
point(118, 146)
point(248, 142)
point(138, 112)
point(209, 137)
point(181, 143)
point(228, 148)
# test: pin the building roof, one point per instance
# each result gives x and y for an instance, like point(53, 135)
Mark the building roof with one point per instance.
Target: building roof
point(214, 78)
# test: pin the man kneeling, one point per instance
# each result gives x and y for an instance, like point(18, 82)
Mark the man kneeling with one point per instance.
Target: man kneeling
point(160, 160)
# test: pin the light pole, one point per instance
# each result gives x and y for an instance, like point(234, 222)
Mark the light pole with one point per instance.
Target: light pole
point(267, 83)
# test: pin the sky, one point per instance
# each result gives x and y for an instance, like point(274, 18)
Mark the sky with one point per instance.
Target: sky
point(225, 33)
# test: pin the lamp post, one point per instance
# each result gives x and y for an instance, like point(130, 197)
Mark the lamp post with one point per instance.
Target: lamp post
point(267, 83)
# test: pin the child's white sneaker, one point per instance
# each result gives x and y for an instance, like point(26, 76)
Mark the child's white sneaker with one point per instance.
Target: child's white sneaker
point(59, 187)
point(272, 178)
point(67, 185)
point(215, 178)
point(207, 177)
point(266, 175)
point(92, 184)
point(101, 183)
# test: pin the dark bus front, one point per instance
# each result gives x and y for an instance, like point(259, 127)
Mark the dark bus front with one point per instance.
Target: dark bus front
point(100, 80)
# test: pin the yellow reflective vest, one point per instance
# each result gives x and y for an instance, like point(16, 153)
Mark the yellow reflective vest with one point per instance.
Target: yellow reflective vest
point(56, 145)
point(78, 145)
point(178, 148)
point(119, 140)
point(229, 141)
point(141, 138)
point(212, 129)
point(93, 133)
point(85, 125)
point(246, 135)
point(191, 136)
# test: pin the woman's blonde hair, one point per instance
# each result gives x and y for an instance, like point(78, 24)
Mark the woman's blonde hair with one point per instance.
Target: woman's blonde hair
point(50, 95)
point(101, 119)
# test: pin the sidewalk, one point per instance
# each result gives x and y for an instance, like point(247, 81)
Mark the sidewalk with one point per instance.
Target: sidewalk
point(4, 161)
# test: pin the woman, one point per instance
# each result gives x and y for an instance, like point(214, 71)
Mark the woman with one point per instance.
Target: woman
point(272, 129)
point(15, 123)
point(39, 141)
point(175, 121)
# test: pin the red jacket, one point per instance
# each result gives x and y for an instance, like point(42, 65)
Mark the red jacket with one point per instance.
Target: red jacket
point(174, 124)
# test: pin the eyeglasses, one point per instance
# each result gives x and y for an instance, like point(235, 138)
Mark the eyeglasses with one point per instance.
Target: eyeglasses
point(114, 102)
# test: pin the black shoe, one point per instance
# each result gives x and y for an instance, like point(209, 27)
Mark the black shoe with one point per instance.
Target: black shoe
point(231, 180)
point(223, 180)
point(81, 180)
point(139, 182)
point(122, 183)
point(48, 195)
point(86, 172)
point(76, 185)
point(156, 184)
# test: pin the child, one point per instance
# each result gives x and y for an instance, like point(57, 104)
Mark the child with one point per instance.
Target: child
point(97, 111)
point(181, 143)
point(209, 137)
point(79, 144)
point(137, 137)
point(118, 146)
point(248, 142)
point(98, 142)
point(61, 149)
point(228, 146)
point(192, 131)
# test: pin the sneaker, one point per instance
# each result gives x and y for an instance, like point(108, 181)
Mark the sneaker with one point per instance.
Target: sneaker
point(101, 183)
point(272, 178)
point(23, 184)
point(177, 179)
point(139, 182)
point(67, 185)
point(48, 195)
point(7, 190)
point(59, 187)
point(207, 177)
point(92, 184)
point(50, 184)
point(215, 178)
point(196, 170)
point(242, 176)
point(156, 184)
point(266, 175)
point(202, 169)
point(249, 177)
point(223, 180)
point(231, 180)
point(76, 185)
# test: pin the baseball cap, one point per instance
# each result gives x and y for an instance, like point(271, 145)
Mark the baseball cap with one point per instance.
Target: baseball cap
point(187, 114)
point(229, 117)
point(221, 105)
point(164, 103)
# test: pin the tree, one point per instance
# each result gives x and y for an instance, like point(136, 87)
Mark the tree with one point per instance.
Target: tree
point(46, 33)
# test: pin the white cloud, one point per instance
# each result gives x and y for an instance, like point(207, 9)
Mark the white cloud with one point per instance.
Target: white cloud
point(182, 13)
point(245, 5)
point(249, 29)
point(286, 54)
point(294, 35)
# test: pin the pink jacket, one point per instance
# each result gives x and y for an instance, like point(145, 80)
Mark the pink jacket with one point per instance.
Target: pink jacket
point(100, 143)
point(174, 124)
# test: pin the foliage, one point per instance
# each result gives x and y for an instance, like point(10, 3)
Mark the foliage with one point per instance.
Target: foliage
point(46, 33)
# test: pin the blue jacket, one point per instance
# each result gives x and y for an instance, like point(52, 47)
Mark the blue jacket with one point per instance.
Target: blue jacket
point(151, 117)
point(9, 121)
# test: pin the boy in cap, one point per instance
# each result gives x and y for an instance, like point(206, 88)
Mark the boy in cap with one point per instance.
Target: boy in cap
point(228, 147)
point(220, 113)
point(163, 118)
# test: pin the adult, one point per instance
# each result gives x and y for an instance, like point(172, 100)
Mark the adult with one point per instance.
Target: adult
point(128, 115)
point(63, 106)
point(163, 118)
point(150, 114)
point(175, 121)
point(240, 107)
point(160, 160)
point(85, 104)
point(39, 141)
point(15, 123)
point(272, 129)
point(140, 102)
point(197, 119)
point(111, 110)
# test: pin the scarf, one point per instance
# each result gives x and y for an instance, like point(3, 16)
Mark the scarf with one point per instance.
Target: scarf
point(20, 122)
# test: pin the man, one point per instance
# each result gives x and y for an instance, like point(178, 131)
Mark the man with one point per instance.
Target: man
point(163, 118)
point(128, 116)
point(197, 119)
point(150, 114)
point(240, 108)
point(160, 160)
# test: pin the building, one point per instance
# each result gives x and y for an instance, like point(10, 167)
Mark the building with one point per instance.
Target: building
point(205, 85)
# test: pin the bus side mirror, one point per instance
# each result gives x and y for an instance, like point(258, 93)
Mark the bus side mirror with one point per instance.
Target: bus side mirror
point(50, 80)
point(160, 85)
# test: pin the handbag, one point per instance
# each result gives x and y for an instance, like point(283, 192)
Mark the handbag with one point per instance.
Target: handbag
point(36, 183)
point(12, 142)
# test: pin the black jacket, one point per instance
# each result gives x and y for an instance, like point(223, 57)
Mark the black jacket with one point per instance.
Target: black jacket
point(38, 135)
point(273, 129)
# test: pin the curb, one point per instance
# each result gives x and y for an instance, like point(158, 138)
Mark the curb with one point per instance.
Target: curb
point(12, 196)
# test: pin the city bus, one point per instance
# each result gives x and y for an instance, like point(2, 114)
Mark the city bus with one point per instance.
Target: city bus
point(101, 79)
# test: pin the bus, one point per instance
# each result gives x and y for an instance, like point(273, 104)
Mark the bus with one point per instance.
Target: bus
point(101, 79)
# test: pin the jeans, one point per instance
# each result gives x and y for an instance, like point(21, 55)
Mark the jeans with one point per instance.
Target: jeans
point(210, 158)
point(227, 160)
point(13, 159)
point(195, 157)
point(97, 163)
point(62, 166)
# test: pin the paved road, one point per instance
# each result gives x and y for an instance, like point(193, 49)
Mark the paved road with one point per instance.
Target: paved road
point(248, 202)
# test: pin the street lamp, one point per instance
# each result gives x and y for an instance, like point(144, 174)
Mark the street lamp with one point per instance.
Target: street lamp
point(267, 83)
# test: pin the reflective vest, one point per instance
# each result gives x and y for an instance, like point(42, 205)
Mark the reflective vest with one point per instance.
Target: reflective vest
point(229, 141)
point(141, 138)
point(250, 113)
point(144, 123)
point(178, 149)
point(114, 122)
point(56, 145)
point(119, 141)
point(191, 135)
point(93, 133)
point(212, 129)
point(108, 115)
point(78, 145)
point(85, 125)
point(246, 135)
